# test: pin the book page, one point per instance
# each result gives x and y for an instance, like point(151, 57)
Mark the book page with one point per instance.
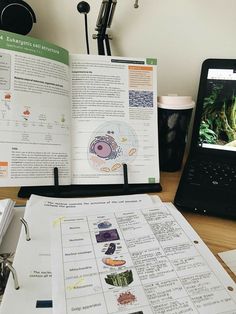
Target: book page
point(146, 260)
point(34, 111)
point(114, 119)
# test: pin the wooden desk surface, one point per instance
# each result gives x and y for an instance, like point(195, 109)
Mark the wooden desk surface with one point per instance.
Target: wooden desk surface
point(218, 234)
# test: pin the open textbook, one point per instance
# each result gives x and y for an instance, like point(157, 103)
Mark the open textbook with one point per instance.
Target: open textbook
point(86, 115)
point(126, 254)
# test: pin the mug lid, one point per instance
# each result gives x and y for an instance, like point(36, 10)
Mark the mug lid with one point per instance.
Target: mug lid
point(175, 102)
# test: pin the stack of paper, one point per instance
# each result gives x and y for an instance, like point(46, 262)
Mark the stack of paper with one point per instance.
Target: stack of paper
point(6, 215)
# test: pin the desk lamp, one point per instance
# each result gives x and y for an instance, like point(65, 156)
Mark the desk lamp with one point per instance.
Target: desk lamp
point(104, 20)
point(84, 8)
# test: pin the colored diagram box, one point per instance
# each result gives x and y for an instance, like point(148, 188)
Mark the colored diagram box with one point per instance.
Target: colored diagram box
point(5, 71)
point(3, 169)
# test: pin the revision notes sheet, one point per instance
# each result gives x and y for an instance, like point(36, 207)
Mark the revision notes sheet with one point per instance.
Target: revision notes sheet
point(136, 261)
point(32, 259)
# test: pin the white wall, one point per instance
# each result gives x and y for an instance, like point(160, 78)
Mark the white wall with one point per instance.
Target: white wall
point(179, 33)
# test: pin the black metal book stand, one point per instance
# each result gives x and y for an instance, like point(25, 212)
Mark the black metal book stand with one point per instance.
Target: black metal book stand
point(63, 191)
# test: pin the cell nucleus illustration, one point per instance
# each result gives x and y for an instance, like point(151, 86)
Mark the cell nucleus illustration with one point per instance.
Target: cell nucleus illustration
point(111, 145)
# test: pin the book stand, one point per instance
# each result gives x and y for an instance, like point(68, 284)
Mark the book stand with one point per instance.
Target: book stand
point(89, 190)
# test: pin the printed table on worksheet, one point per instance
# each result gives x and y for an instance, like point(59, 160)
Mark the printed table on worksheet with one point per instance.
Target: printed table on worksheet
point(135, 261)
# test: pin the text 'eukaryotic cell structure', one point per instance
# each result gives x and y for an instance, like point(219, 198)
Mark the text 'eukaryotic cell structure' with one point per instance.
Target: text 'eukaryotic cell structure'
point(112, 144)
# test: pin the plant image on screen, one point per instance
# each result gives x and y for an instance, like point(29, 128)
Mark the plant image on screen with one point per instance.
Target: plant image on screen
point(218, 123)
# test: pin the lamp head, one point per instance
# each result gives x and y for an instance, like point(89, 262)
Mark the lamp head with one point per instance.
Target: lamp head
point(83, 7)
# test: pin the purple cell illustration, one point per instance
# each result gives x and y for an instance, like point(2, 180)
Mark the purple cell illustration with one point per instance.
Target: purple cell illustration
point(111, 145)
point(102, 149)
point(111, 249)
point(104, 225)
point(108, 235)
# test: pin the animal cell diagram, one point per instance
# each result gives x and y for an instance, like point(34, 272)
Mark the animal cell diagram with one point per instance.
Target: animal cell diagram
point(111, 145)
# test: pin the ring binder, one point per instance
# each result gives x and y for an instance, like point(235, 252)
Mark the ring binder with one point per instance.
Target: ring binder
point(26, 229)
point(33, 259)
point(14, 275)
point(5, 269)
point(4, 273)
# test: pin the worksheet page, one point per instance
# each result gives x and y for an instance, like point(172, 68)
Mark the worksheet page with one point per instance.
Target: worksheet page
point(146, 260)
point(32, 260)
